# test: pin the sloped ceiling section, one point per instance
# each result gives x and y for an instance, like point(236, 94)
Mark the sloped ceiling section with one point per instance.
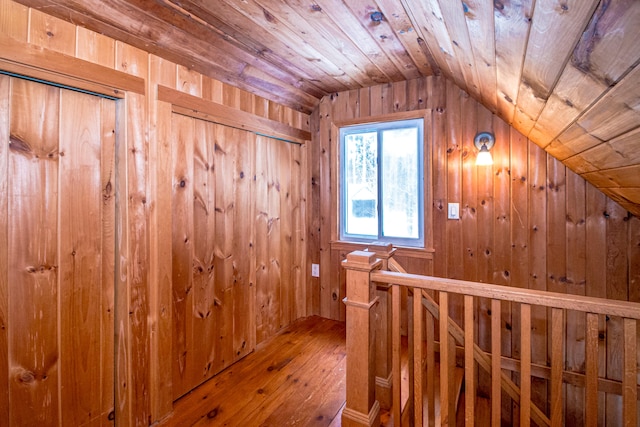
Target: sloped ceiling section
point(563, 72)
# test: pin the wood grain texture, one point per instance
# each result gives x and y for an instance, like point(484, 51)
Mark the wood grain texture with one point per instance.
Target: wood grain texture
point(469, 184)
point(273, 292)
point(194, 106)
point(324, 208)
point(616, 268)
point(496, 388)
point(419, 356)
point(283, 152)
point(454, 248)
point(95, 48)
point(68, 150)
point(596, 273)
point(108, 227)
point(182, 251)
point(557, 366)
point(502, 238)
point(160, 244)
point(630, 377)
point(262, 227)
point(133, 257)
point(225, 159)
point(51, 32)
point(244, 330)
point(521, 394)
point(5, 102)
point(14, 20)
point(80, 245)
point(485, 249)
point(549, 68)
point(300, 267)
point(551, 22)
point(594, 65)
point(608, 274)
point(525, 367)
point(122, 372)
point(575, 284)
point(32, 248)
point(512, 28)
point(396, 344)
point(65, 69)
point(79, 57)
point(469, 362)
point(439, 179)
point(591, 371)
point(534, 221)
point(308, 356)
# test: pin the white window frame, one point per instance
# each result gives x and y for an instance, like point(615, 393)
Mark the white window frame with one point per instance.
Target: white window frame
point(385, 123)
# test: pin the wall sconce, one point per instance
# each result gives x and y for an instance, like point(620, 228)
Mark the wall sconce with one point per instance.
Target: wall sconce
point(483, 142)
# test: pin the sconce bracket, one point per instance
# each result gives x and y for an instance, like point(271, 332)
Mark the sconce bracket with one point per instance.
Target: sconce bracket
point(484, 138)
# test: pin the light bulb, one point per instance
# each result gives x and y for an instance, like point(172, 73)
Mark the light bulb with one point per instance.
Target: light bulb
point(484, 157)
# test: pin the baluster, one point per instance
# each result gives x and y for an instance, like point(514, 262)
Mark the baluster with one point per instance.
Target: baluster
point(452, 375)
point(411, 350)
point(557, 365)
point(469, 363)
point(431, 368)
point(417, 356)
point(496, 370)
point(591, 370)
point(396, 375)
point(444, 360)
point(630, 378)
point(525, 365)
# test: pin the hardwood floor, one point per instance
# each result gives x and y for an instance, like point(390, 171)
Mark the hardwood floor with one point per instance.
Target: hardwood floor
point(295, 379)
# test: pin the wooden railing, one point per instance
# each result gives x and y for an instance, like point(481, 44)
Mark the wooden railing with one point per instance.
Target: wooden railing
point(374, 316)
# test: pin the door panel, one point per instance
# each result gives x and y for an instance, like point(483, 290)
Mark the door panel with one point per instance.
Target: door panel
point(57, 284)
point(212, 207)
point(237, 245)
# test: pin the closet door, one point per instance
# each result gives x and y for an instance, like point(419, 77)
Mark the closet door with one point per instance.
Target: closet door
point(56, 255)
point(212, 249)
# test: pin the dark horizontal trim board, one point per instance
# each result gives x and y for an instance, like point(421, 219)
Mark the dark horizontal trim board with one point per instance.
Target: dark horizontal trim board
point(48, 65)
point(192, 106)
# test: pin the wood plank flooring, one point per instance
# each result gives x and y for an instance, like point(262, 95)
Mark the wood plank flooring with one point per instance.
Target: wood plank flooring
point(296, 378)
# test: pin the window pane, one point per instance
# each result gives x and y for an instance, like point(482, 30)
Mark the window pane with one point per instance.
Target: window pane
point(361, 182)
point(400, 183)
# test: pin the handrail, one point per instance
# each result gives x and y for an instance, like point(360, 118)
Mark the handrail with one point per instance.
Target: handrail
point(430, 297)
point(591, 306)
point(482, 358)
point(521, 295)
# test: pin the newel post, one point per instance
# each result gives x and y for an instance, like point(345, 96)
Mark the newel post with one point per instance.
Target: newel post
point(362, 408)
point(383, 371)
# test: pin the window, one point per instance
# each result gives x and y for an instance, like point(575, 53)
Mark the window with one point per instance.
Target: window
point(381, 177)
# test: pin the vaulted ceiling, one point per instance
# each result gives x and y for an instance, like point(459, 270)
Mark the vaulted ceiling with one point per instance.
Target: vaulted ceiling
point(563, 72)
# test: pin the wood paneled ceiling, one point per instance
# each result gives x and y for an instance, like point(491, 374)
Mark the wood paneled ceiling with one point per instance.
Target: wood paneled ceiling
point(563, 72)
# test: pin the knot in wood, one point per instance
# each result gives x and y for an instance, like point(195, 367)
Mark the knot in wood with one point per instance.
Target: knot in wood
point(27, 377)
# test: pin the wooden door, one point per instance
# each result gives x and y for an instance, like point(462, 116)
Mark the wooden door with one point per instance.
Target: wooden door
point(56, 256)
point(212, 249)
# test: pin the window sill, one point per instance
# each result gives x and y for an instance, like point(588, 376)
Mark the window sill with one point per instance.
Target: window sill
point(403, 251)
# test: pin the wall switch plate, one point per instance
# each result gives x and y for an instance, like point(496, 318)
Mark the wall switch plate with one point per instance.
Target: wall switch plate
point(454, 211)
point(315, 270)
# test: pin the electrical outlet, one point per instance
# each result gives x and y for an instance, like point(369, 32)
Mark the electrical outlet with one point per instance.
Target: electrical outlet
point(454, 211)
point(315, 270)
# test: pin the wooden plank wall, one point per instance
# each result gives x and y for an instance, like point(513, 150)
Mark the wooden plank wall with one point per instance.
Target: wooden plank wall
point(143, 195)
point(57, 273)
point(527, 221)
point(235, 281)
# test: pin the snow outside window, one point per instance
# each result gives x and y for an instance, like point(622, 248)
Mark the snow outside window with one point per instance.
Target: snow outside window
point(382, 182)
